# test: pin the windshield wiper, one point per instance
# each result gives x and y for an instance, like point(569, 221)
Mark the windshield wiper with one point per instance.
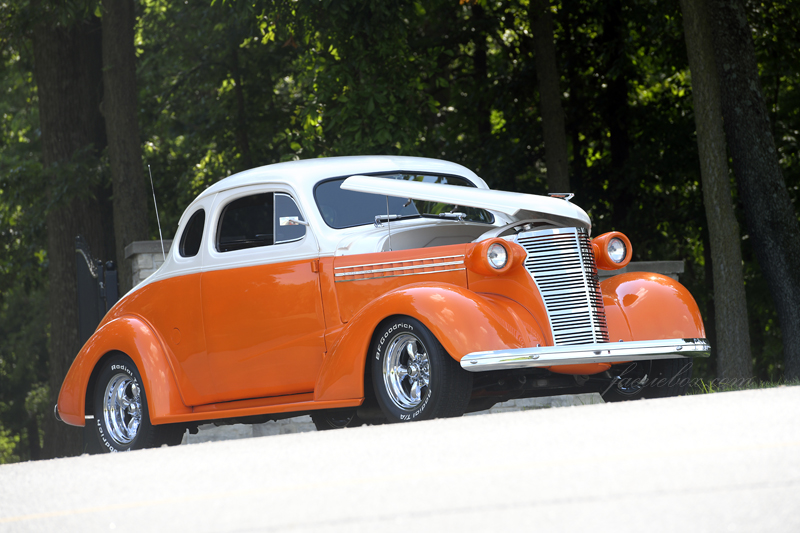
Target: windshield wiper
point(452, 215)
point(380, 219)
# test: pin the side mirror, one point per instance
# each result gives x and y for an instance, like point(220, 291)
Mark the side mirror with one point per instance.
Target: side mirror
point(292, 221)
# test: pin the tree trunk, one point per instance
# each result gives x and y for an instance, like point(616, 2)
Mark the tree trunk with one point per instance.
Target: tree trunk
point(573, 115)
point(122, 125)
point(68, 73)
point(555, 137)
point(710, 321)
point(734, 359)
point(770, 215)
point(34, 450)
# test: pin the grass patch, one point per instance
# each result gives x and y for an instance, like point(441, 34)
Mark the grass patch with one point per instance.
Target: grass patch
point(709, 386)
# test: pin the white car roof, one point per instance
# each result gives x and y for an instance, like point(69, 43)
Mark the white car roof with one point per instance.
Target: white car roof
point(306, 173)
point(300, 178)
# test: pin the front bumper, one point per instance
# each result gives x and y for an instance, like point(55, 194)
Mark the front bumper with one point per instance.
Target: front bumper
point(602, 352)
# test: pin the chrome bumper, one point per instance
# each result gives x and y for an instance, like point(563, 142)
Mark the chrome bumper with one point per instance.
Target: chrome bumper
point(603, 352)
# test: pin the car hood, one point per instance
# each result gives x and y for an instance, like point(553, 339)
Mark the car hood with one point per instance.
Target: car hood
point(516, 205)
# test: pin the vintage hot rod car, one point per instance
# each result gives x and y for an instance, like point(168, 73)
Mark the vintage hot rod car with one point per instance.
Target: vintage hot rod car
point(375, 289)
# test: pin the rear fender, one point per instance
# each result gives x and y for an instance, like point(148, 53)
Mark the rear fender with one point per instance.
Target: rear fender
point(643, 306)
point(462, 321)
point(135, 338)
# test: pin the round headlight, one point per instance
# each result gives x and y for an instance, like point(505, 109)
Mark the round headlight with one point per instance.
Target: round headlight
point(497, 256)
point(617, 250)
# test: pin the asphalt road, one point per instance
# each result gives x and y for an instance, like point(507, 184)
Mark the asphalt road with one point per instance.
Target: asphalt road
point(719, 462)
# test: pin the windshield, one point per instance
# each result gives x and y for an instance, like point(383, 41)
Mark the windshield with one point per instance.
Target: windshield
point(344, 209)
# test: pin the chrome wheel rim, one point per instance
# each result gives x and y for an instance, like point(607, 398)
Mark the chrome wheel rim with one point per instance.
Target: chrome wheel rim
point(122, 408)
point(406, 371)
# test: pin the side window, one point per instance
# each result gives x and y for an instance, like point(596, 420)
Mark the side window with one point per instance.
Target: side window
point(193, 234)
point(287, 216)
point(247, 223)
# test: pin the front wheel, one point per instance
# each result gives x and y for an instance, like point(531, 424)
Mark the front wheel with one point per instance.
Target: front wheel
point(413, 376)
point(121, 418)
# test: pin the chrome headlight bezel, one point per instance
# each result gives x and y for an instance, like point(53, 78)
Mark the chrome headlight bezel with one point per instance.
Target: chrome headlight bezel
point(617, 250)
point(497, 256)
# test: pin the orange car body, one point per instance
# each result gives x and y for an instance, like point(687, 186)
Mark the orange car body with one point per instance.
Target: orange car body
point(262, 330)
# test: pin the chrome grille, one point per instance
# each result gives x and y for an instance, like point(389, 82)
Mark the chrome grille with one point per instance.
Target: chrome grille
point(562, 265)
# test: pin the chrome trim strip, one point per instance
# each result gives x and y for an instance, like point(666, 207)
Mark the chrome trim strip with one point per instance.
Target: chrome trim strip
point(404, 261)
point(601, 352)
point(412, 267)
point(396, 275)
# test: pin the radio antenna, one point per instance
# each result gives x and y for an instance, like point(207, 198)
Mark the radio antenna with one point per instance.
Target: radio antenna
point(388, 223)
point(157, 219)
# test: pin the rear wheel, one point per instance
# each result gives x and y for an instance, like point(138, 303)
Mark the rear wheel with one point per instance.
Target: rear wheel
point(413, 376)
point(121, 418)
point(649, 379)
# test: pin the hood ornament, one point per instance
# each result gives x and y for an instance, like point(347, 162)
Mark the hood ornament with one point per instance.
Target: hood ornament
point(566, 196)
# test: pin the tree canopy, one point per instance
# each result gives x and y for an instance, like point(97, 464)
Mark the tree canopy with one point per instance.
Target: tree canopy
point(222, 86)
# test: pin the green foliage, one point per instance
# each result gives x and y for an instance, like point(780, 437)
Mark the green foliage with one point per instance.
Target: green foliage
point(8, 443)
point(22, 202)
point(366, 89)
point(37, 406)
point(17, 17)
point(23, 367)
point(191, 117)
point(710, 386)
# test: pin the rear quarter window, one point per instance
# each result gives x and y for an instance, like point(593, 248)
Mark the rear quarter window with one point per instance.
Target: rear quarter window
point(193, 234)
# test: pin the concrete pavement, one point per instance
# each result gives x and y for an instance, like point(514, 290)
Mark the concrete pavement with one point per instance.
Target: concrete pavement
point(718, 462)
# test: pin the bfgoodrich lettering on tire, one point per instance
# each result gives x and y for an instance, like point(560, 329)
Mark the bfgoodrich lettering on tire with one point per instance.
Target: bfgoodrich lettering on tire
point(414, 378)
point(121, 419)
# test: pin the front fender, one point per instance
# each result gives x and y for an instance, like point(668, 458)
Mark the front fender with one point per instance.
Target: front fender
point(643, 306)
point(462, 321)
point(135, 338)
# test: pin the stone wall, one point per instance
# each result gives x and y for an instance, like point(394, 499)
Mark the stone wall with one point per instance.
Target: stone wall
point(673, 269)
point(145, 258)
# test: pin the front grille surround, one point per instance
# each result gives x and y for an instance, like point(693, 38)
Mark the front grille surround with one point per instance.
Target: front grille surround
point(561, 263)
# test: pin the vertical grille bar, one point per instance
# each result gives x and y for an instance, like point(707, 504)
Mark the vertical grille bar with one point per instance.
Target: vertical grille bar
point(561, 262)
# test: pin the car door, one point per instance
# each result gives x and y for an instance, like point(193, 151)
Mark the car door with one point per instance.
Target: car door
point(262, 308)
